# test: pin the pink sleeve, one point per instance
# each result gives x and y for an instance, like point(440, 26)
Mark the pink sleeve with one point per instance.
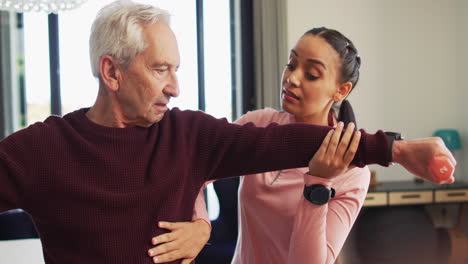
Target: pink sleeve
point(199, 209)
point(320, 231)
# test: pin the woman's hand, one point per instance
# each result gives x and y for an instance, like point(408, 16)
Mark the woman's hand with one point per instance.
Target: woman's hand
point(185, 241)
point(335, 154)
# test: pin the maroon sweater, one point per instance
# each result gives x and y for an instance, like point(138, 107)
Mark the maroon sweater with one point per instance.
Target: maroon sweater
point(96, 193)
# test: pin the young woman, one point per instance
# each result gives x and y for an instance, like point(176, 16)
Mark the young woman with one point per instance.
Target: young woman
point(276, 223)
point(322, 70)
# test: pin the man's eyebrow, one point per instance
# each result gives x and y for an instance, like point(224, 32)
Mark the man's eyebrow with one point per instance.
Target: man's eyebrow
point(311, 60)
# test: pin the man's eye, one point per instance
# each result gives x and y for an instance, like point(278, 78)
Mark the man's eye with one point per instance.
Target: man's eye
point(160, 70)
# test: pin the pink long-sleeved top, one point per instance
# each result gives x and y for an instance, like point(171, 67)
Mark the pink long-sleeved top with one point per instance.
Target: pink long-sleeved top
point(276, 223)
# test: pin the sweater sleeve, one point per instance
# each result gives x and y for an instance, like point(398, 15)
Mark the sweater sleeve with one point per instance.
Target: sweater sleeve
point(227, 150)
point(9, 197)
point(12, 174)
point(320, 231)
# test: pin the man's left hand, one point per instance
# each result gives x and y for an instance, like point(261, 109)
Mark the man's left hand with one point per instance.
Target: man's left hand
point(185, 241)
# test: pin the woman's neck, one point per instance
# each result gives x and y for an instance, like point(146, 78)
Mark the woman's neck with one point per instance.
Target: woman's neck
point(321, 120)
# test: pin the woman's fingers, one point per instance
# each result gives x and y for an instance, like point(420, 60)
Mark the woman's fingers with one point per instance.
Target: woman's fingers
point(344, 142)
point(324, 146)
point(353, 146)
point(335, 140)
point(336, 152)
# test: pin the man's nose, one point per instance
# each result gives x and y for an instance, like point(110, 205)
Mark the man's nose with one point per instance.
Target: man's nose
point(172, 89)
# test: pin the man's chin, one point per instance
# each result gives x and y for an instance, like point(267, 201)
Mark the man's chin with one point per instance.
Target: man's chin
point(157, 117)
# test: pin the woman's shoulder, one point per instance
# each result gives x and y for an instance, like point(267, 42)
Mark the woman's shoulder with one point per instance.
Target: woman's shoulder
point(266, 116)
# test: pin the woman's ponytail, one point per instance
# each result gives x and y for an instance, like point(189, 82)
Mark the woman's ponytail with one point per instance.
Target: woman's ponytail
point(346, 113)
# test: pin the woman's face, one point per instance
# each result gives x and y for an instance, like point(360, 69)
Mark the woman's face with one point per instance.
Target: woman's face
point(310, 80)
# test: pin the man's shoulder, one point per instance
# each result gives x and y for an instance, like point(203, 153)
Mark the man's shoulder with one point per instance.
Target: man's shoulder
point(190, 116)
point(49, 125)
point(34, 134)
point(54, 123)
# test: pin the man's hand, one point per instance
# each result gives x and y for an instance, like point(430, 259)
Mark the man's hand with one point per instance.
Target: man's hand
point(335, 154)
point(427, 158)
point(185, 241)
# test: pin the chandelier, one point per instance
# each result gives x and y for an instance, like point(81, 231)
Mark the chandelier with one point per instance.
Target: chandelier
point(48, 6)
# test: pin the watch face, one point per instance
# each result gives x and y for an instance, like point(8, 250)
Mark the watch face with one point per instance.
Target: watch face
point(320, 195)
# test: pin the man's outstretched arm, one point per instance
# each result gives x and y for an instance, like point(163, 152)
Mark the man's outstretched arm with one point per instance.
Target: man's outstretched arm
point(227, 150)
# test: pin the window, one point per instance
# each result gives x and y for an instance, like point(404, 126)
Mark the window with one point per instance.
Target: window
point(36, 67)
point(218, 75)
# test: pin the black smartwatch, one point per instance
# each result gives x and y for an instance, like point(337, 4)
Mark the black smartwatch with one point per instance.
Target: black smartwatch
point(318, 194)
point(392, 136)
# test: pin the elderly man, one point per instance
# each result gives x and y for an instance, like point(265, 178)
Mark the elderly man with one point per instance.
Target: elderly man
point(96, 181)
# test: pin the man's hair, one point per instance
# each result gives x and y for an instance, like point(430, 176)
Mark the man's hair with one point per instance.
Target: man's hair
point(117, 31)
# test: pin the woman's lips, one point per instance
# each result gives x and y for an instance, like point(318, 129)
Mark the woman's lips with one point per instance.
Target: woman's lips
point(289, 95)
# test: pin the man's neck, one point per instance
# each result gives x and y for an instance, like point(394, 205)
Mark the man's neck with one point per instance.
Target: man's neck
point(105, 114)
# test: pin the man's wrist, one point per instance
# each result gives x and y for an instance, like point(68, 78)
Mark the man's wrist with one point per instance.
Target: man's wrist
point(393, 139)
point(397, 150)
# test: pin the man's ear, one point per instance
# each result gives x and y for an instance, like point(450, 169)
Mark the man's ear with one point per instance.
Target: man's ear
point(110, 72)
point(343, 90)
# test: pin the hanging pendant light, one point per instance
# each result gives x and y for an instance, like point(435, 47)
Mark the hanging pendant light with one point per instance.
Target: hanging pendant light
point(48, 6)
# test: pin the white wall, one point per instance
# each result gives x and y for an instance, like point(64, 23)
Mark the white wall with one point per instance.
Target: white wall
point(412, 75)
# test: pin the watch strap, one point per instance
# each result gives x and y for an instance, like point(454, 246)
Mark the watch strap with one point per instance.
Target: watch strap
point(392, 136)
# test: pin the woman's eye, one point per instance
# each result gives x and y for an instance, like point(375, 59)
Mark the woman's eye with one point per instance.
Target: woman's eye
point(311, 77)
point(290, 67)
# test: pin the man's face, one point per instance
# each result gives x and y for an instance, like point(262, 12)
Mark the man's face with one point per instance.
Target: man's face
point(150, 80)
